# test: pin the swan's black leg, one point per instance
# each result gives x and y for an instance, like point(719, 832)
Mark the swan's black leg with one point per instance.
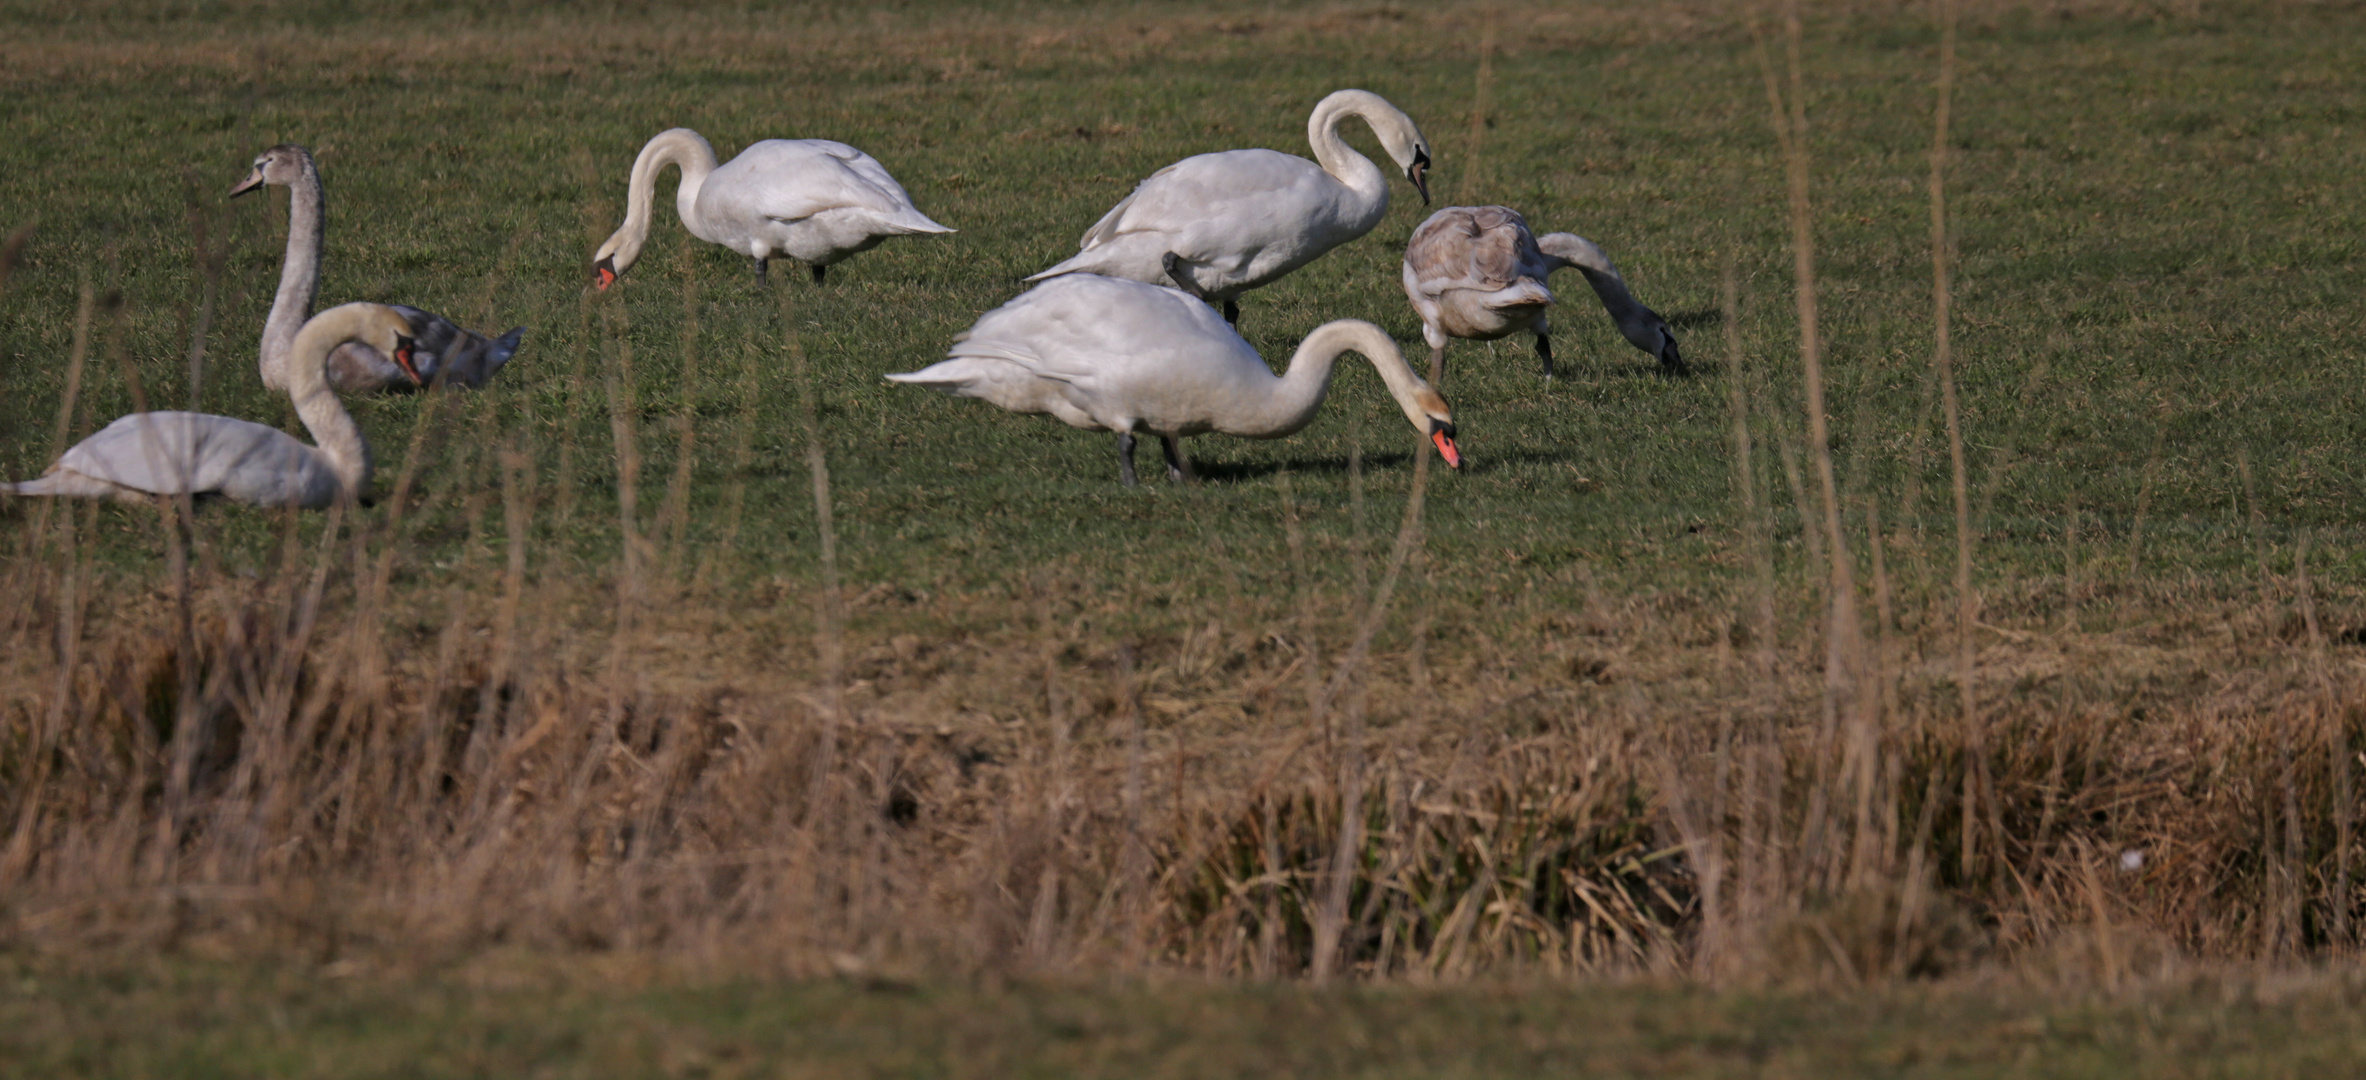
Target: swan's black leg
point(761, 266)
point(1181, 275)
point(1437, 366)
point(819, 271)
point(1544, 352)
point(1178, 470)
point(1125, 459)
point(1232, 313)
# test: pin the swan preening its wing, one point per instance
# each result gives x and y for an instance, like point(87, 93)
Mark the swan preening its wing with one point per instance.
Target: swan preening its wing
point(1109, 354)
point(175, 453)
point(1478, 273)
point(1218, 225)
point(445, 352)
point(813, 200)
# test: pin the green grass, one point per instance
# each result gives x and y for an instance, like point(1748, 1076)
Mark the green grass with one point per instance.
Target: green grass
point(2154, 246)
point(490, 1020)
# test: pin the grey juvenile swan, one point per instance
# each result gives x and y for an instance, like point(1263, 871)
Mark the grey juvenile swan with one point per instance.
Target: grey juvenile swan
point(456, 356)
point(1477, 273)
point(171, 453)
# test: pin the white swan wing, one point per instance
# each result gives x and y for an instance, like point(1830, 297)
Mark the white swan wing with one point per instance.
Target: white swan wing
point(788, 180)
point(170, 453)
point(1251, 191)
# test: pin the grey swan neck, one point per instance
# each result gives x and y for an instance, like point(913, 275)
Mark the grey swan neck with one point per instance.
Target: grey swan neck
point(1570, 249)
point(299, 274)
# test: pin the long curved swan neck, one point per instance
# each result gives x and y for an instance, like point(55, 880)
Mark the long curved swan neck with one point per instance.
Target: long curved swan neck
point(299, 272)
point(1299, 395)
point(677, 146)
point(333, 430)
point(1570, 249)
point(1332, 152)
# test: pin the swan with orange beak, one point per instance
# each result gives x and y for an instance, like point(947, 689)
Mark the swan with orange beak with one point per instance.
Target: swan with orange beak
point(1108, 354)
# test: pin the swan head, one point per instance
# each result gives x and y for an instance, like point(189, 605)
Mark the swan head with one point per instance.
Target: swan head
point(378, 326)
point(1650, 333)
point(605, 269)
point(282, 165)
point(1428, 410)
point(1399, 135)
point(1402, 139)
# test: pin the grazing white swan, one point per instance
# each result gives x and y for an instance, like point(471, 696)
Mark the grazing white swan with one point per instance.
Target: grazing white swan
point(1106, 354)
point(171, 453)
point(1477, 273)
point(458, 357)
point(810, 199)
point(1218, 225)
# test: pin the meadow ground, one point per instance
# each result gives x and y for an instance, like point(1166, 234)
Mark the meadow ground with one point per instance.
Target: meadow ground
point(691, 638)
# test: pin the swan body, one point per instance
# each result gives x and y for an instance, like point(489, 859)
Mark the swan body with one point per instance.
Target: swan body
point(1218, 225)
point(175, 453)
point(1109, 354)
point(444, 351)
point(1478, 273)
point(813, 200)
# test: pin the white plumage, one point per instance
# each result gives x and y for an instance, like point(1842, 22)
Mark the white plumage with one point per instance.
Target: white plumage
point(1218, 225)
point(171, 453)
point(1108, 354)
point(813, 200)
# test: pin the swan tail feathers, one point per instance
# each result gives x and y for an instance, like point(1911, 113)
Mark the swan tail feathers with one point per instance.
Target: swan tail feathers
point(62, 483)
point(1085, 263)
point(1522, 294)
point(911, 222)
point(505, 347)
point(960, 376)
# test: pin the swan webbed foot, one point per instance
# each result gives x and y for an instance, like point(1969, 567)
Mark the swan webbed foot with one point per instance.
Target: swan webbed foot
point(1178, 468)
point(1125, 459)
point(1232, 313)
point(762, 264)
point(1544, 352)
point(1181, 275)
point(819, 272)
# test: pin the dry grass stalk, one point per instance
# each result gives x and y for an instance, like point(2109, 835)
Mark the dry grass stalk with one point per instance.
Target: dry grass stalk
point(1942, 360)
point(828, 610)
point(1745, 475)
point(1473, 185)
point(673, 516)
point(1843, 648)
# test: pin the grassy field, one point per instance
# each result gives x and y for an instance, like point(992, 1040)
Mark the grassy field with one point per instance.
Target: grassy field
point(583, 680)
point(499, 1018)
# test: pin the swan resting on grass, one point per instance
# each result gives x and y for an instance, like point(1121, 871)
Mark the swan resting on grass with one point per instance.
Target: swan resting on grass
point(1218, 225)
point(813, 200)
point(443, 352)
point(1107, 354)
point(174, 453)
point(1477, 273)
